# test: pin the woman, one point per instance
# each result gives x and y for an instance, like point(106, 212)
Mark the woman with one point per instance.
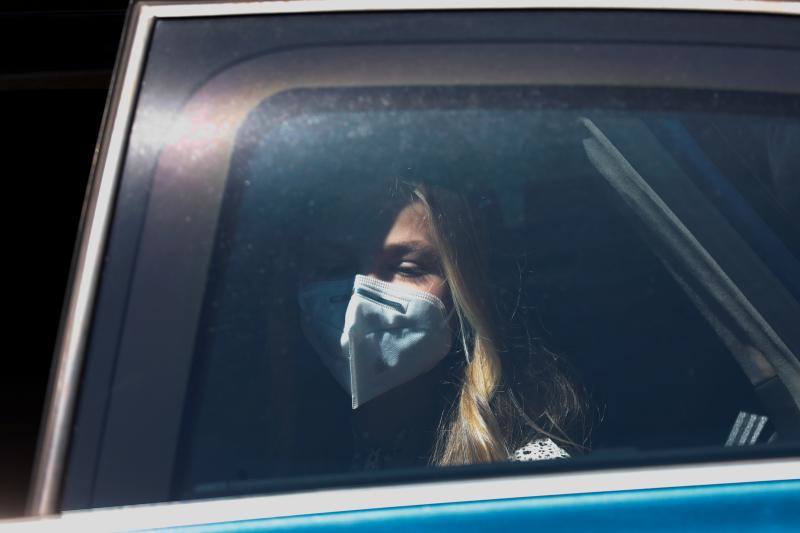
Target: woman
point(419, 315)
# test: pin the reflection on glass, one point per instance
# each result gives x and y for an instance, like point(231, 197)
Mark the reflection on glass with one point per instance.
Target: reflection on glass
point(413, 265)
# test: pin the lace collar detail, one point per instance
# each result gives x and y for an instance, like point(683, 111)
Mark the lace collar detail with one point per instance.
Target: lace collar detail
point(539, 449)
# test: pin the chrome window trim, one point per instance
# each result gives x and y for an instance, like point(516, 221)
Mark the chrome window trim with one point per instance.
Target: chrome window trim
point(173, 515)
point(87, 261)
point(164, 10)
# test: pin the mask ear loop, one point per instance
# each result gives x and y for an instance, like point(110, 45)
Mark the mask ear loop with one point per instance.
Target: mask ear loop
point(462, 330)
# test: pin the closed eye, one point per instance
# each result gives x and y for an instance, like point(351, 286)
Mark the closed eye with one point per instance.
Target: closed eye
point(411, 269)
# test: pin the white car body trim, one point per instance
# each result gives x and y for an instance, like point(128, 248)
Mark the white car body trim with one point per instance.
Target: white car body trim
point(170, 515)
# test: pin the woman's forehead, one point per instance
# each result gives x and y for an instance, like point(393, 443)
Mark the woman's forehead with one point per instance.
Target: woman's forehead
point(410, 226)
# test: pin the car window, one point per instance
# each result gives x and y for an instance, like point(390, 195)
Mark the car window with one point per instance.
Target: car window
point(415, 244)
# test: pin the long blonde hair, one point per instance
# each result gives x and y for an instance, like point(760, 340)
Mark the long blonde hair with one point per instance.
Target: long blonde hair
point(488, 420)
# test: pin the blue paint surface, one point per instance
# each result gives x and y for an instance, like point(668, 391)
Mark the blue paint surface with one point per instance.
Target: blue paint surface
point(764, 506)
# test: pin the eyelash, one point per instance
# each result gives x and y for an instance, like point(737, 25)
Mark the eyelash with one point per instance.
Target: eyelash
point(415, 271)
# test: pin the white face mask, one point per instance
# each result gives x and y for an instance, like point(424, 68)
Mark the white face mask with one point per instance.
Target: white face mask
point(373, 335)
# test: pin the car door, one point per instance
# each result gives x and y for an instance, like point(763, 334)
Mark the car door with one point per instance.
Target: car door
point(629, 186)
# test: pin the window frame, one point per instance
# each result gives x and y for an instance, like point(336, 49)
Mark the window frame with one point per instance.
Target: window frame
point(98, 211)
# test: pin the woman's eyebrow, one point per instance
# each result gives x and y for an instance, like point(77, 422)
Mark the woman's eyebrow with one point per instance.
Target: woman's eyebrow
point(412, 246)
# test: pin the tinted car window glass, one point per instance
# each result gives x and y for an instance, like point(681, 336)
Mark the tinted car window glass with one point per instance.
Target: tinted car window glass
point(343, 257)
